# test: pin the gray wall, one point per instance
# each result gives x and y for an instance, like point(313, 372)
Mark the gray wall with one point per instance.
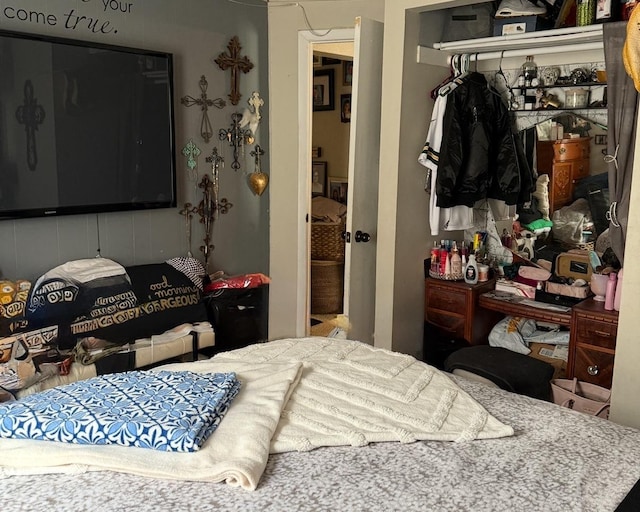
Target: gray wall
point(195, 32)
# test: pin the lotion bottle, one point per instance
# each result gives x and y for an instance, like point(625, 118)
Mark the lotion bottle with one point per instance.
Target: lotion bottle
point(456, 261)
point(610, 295)
point(616, 301)
point(471, 270)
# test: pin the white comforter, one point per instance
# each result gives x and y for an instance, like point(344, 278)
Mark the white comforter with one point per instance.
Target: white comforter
point(297, 394)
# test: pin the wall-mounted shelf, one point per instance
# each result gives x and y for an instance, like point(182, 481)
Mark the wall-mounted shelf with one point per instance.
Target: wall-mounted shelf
point(518, 45)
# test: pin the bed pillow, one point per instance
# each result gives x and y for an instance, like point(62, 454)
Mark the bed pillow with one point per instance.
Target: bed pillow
point(166, 411)
point(328, 210)
point(162, 297)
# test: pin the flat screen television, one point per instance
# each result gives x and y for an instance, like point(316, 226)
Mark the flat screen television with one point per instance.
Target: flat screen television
point(84, 127)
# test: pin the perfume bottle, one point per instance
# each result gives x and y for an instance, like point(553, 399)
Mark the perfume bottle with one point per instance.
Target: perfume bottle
point(530, 72)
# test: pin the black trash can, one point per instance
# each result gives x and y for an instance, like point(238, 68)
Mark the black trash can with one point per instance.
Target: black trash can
point(240, 316)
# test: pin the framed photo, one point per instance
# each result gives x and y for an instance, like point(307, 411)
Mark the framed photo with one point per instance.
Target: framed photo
point(318, 179)
point(345, 108)
point(323, 95)
point(600, 140)
point(338, 189)
point(347, 72)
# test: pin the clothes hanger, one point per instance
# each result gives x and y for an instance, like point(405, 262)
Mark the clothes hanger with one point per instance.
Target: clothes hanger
point(452, 74)
point(461, 66)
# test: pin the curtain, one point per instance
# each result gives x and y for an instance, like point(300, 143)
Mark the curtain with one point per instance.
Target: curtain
point(621, 111)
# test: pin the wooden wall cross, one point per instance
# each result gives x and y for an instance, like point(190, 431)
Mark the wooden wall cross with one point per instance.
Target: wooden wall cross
point(233, 61)
point(30, 114)
point(206, 131)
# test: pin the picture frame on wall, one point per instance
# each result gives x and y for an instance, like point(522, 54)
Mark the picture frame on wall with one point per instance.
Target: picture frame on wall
point(347, 72)
point(318, 179)
point(345, 108)
point(338, 189)
point(323, 90)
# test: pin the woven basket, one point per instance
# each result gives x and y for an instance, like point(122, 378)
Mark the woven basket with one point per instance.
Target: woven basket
point(327, 243)
point(327, 286)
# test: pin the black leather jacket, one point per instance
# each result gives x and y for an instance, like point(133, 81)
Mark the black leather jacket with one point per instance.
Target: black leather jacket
point(480, 157)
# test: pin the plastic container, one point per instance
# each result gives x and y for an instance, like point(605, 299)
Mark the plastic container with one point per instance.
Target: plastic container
point(610, 294)
point(618, 297)
point(483, 273)
point(471, 270)
point(576, 98)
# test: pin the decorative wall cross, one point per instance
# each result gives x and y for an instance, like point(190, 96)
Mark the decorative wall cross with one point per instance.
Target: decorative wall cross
point(237, 138)
point(191, 151)
point(30, 114)
point(233, 61)
point(251, 117)
point(216, 162)
point(188, 210)
point(206, 131)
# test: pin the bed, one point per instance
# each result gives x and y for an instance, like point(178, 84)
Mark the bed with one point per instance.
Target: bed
point(534, 455)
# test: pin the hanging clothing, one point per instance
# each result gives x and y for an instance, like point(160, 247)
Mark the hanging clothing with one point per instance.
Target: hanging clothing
point(447, 219)
point(478, 157)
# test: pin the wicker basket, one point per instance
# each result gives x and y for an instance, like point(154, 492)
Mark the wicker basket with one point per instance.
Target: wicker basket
point(327, 243)
point(327, 287)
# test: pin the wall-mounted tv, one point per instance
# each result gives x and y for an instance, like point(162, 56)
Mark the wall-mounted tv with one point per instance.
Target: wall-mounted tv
point(84, 127)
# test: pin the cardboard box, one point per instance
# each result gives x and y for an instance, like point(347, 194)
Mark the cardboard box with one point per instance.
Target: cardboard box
point(514, 25)
point(542, 352)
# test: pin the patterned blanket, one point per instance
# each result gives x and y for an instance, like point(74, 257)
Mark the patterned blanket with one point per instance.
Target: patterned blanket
point(41, 322)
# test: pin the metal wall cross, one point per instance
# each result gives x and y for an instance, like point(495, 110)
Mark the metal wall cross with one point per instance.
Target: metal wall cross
point(236, 63)
point(31, 115)
point(206, 131)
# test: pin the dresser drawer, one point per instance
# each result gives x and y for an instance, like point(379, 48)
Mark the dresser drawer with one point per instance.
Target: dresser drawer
point(449, 300)
point(452, 324)
point(571, 150)
point(596, 332)
point(593, 366)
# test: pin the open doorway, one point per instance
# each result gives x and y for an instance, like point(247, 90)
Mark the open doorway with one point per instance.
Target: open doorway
point(331, 122)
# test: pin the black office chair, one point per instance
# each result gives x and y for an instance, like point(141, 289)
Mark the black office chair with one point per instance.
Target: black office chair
point(507, 369)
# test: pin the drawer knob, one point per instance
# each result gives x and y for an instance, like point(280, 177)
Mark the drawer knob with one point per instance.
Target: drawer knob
point(593, 370)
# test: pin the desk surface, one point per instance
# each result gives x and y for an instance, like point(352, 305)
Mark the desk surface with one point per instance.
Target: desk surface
point(521, 306)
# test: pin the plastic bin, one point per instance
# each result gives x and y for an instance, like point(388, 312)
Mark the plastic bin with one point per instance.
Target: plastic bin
point(240, 316)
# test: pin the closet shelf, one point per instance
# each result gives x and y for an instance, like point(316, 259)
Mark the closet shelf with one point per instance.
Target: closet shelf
point(542, 41)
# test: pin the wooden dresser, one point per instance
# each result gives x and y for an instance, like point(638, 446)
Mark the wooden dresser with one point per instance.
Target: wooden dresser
point(593, 343)
point(452, 307)
point(565, 161)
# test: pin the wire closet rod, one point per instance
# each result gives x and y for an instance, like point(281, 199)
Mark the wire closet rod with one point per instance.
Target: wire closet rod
point(522, 52)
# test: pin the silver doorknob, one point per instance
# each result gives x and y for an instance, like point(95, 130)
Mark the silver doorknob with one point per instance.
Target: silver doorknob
point(362, 237)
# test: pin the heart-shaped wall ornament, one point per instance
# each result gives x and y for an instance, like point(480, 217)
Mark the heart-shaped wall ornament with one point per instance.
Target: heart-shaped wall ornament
point(258, 182)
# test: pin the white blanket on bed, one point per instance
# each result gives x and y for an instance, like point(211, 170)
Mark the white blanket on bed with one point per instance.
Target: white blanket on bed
point(353, 394)
point(297, 394)
point(235, 453)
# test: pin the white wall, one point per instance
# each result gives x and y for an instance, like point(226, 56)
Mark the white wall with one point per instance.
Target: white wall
point(288, 303)
point(196, 32)
point(330, 133)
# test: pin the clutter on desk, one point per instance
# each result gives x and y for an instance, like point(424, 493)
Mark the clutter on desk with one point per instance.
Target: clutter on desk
point(450, 260)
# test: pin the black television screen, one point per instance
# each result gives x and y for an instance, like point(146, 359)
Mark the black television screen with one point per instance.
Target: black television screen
point(84, 127)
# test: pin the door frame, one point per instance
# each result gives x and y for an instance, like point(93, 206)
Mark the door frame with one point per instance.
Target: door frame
point(306, 40)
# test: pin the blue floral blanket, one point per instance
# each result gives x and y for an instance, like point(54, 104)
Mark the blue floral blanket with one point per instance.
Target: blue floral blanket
point(164, 410)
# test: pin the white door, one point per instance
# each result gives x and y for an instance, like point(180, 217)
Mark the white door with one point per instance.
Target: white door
point(362, 192)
